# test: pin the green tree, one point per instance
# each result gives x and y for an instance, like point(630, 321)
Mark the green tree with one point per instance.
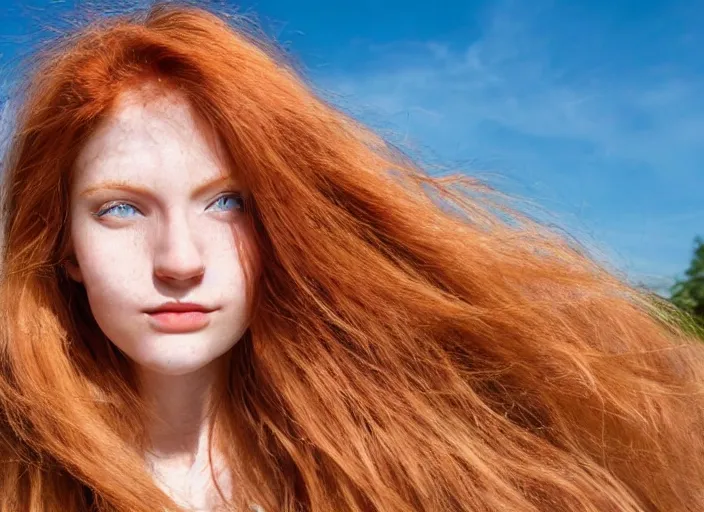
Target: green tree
point(688, 293)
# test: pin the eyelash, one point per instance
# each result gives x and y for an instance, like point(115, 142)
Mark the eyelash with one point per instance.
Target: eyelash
point(105, 209)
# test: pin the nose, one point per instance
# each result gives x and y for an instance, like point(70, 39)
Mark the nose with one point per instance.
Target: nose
point(177, 257)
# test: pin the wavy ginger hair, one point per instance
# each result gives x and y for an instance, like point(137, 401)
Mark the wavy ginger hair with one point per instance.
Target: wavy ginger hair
point(411, 347)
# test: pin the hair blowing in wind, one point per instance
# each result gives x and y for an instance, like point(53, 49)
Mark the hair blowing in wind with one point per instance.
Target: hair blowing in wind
point(412, 345)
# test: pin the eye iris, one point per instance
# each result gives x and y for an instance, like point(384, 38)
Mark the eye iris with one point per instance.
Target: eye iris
point(227, 203)
point(121, 210)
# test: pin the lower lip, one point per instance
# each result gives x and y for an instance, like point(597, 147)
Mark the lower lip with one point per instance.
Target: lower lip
point(178, 322)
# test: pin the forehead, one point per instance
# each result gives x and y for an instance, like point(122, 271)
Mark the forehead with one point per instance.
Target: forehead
point(148, 136)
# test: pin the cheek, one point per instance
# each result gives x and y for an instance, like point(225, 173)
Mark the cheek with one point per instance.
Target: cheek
point(226, 245)
point(246, 250)
point(224, 275)
point(111, 263)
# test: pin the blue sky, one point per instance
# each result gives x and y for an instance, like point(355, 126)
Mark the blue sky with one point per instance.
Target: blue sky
point(593, 110)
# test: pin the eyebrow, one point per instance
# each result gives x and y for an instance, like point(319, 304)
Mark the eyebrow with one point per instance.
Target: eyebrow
point(126, 186)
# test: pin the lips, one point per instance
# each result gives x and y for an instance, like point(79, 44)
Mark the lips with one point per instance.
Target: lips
point(179, 317)
point(178, 307)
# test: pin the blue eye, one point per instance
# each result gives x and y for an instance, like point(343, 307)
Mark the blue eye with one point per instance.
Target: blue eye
point(121, 210)
point(228, 202)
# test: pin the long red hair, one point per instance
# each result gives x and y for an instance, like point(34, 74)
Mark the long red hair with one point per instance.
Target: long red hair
point(413, 345)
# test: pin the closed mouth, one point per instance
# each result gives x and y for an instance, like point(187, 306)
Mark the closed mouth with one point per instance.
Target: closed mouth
point(179, 317)
point(179, 307)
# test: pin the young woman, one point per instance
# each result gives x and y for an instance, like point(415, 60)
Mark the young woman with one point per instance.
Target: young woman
point(218, 291)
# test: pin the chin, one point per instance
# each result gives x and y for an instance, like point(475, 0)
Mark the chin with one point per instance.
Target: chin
point(172, 367)
point(176, 359)
point(176, 354)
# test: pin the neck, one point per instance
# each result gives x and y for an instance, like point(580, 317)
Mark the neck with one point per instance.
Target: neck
point(177, 425)
point(178, 435)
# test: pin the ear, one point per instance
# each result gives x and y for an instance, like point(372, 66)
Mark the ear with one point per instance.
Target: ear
point(72, 269)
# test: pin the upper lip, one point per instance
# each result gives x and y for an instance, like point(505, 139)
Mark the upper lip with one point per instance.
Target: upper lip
point(179, 307)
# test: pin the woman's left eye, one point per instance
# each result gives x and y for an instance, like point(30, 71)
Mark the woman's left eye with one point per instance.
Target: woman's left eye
point(228, 202)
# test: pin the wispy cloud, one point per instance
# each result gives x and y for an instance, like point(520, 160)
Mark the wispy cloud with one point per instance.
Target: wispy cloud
point(616, 148)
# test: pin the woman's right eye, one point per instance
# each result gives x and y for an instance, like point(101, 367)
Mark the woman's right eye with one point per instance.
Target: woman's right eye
point(121, 210)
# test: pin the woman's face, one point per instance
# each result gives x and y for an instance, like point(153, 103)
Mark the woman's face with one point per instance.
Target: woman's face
point(155, 225)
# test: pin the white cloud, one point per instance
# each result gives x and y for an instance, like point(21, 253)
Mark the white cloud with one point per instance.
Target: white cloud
point(581, 140)
point(494, 81)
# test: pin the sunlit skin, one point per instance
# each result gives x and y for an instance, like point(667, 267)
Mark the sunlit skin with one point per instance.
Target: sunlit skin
point(155, 219)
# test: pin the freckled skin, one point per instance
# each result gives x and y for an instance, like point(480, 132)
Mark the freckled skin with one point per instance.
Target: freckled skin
point(177, 247)
point(165, 239)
